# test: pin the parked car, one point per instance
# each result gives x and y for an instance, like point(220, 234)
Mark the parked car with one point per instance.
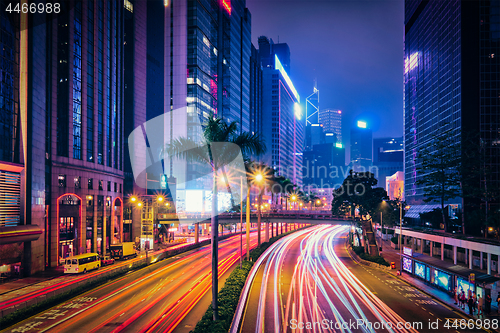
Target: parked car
point(107, 260)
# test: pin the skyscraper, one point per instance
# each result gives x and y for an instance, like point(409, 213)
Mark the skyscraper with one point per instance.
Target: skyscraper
point(283, 132)
point(70, 135)
point(388, 156)
point(451, 81)
point(185, 64)
point(361, 146)
point(255, 92)
point(23, 108)
point(332, 123)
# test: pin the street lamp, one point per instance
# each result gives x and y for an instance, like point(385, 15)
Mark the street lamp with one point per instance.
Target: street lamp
point(258, 178)
point(400, 237)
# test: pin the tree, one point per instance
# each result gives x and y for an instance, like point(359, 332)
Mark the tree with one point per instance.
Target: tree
point(358, 191)
point(390, 212)
point(440, 167)
point(216, 149)
point(479, 185)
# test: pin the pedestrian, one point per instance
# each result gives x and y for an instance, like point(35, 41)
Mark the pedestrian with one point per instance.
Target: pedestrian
point(455, 296)
point(463, 300)
point(479, 305)
point(470, 303)
point(474, 299)
point(498, 302)
point(487, 304)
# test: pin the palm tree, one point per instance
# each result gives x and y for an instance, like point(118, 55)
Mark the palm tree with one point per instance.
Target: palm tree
point(216, 148)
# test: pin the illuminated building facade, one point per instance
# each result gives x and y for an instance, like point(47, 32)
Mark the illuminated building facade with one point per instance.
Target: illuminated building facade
point(388, 156)
point(394, 185)
point(84, 147)
point(283, 129)
point(68, 143)
point(22, 155)
point(451, 81)
point(331, 120)
point(178, 63)
point(361, 146)
point(255, 92)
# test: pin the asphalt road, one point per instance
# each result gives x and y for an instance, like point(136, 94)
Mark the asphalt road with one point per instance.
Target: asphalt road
point(310, 282)
point(153, 299)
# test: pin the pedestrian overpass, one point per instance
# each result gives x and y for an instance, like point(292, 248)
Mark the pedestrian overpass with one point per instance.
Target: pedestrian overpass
point(267, 217)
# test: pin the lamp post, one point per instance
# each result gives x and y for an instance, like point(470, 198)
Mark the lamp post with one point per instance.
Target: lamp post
point(241, 220)
point(400, 238)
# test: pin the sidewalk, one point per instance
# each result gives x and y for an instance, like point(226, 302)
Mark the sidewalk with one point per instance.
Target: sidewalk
point(392, 255)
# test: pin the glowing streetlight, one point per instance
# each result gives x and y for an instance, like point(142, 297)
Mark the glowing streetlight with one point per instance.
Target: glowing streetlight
point(259, 177)
point(294, 198)
point(133, 198)
point(167, 204)
point(139, 204)
point(159, 198)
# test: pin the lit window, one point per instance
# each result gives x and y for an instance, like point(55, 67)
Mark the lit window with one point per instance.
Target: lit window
point(62, 180)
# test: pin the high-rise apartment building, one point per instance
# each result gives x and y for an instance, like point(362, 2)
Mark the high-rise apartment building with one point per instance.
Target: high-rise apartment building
point(331, 120)
point(451, 81)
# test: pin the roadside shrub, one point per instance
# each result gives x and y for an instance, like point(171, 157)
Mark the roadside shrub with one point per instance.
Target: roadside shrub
point(360, 251)
point(230, 294)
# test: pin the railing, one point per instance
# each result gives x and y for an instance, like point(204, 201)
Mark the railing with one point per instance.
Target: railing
point(317, 215)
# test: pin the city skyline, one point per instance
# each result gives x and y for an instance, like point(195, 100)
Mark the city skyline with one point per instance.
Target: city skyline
point(353, 72)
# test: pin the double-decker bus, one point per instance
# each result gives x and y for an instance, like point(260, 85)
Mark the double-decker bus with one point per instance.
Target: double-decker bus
point(82, 263)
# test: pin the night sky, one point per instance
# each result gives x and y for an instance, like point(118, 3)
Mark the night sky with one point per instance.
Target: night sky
point(353, 48)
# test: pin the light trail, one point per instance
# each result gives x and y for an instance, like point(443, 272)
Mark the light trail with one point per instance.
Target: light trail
point(321, 289)
point(157, 301)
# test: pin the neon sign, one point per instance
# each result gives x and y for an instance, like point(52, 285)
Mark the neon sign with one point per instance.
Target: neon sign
point(279, 66)
point(361, 124)
point(227, 5)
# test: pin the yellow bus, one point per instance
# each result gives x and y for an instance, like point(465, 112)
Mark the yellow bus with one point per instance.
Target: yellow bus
point(82, 263)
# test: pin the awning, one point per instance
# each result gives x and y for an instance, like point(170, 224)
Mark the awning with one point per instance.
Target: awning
point(461, 271)
point(415, 211)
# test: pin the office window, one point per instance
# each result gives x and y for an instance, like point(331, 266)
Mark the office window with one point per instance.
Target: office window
point(109, 186)
point(101, 185)
point(116, 186)
point(91, 184)
point(62, 180)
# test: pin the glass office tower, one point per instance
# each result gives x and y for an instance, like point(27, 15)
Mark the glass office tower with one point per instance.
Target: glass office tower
point(451, 80)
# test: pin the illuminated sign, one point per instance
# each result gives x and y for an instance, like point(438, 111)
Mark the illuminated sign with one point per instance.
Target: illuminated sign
point(420, 270)
point(227, 5)
point(298, 110)
point(407, 251)
point(279, 66)
point(163, 181)
point(338, 145)
point(407, 264)
point(361, 124)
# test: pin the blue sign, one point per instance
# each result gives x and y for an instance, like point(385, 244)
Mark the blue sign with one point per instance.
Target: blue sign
point(442, 279)
point(464, 285)
point(420, 270)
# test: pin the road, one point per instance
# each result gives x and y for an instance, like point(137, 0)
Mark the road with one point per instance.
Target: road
point(155, 298)
point(309, 283)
